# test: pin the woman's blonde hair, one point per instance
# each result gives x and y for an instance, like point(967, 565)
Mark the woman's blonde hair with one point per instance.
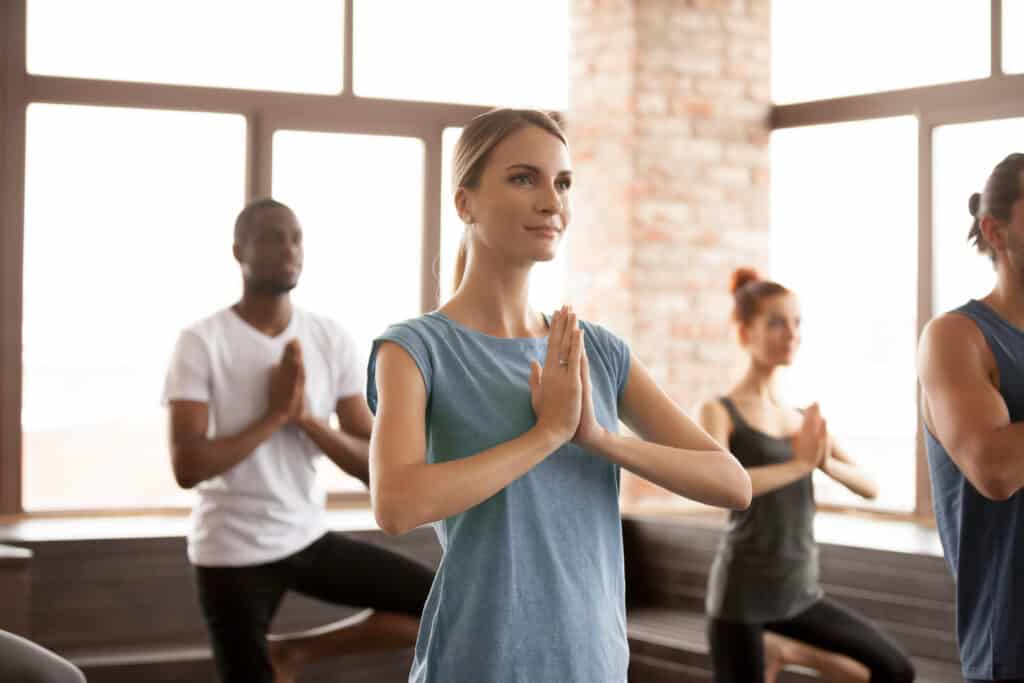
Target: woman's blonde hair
point(478, 139)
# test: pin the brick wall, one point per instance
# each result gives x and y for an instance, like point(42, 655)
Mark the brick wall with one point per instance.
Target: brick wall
point(601, 123)
point(668, 121)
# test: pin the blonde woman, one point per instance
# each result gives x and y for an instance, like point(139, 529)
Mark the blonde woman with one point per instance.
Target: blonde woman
point(499, 425)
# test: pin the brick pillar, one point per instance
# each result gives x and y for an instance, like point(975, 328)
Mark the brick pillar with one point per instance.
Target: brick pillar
point(685, 117)
point(600, 129)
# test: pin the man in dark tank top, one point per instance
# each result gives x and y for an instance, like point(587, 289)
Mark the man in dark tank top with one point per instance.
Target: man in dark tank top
point(971, 367)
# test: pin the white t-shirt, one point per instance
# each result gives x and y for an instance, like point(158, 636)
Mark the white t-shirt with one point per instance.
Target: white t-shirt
point(267, 506)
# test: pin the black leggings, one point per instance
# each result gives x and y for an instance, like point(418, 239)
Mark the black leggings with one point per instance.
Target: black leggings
point(240, 602)
point(737, 649)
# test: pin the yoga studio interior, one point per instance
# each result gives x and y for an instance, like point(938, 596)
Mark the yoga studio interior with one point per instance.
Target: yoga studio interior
point(829, 146)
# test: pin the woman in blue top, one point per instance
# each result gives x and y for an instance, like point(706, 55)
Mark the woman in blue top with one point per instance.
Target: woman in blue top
point(499, 425)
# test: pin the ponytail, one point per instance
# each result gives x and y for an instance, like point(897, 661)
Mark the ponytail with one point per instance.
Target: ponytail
point(460, 264)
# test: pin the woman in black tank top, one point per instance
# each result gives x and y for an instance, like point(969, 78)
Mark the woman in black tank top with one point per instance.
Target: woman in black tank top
point(765, 606)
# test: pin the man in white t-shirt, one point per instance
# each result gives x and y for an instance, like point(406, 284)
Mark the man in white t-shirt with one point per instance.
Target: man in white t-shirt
point(250, 391)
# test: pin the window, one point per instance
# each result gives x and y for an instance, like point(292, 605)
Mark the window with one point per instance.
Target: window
point(128, 219)
point(359, 199)
point(230, 43)
point(514, 54)
point(844, 240)
point(856, 51)
point(965, 155)
point(1013, 37)
point(834, 48)
point(133, 206)
point(547, 280)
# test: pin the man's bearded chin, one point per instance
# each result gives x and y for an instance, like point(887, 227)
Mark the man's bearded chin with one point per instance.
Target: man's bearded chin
point(271, 287)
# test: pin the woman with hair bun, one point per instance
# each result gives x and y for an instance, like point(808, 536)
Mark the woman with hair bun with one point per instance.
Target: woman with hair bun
point(765, 605)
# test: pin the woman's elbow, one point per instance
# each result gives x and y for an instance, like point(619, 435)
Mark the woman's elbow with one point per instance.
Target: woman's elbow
point(394, 514)
point(389, 524)
point(739, 491)
point(743, 491)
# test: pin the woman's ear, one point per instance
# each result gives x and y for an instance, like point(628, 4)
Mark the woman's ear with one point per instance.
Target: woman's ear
point(743, 333)
point(463, 205)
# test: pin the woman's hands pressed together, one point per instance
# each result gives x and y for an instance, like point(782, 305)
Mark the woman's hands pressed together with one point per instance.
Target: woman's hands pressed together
point(556, 392)
point(810, 444)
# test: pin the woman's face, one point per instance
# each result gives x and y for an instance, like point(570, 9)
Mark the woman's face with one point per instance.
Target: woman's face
point(773, 336)
point(520, 208)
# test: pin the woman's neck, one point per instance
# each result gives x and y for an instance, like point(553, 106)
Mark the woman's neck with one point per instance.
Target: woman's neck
point(759, 381)
point(495, 301)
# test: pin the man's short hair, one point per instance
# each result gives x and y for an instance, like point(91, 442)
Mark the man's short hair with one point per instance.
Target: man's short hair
point(253, 207)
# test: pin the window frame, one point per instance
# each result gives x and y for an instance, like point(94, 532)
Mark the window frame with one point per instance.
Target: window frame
point(989, 99)
point(265, 112)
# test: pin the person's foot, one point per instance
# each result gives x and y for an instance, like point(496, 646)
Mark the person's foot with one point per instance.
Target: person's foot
point(285, 660)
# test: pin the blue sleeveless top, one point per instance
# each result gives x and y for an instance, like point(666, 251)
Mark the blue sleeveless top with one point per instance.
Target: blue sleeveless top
point(983, 540)
point(531, 582)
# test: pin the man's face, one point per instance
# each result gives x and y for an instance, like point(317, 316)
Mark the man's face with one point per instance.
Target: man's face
point(270, 251)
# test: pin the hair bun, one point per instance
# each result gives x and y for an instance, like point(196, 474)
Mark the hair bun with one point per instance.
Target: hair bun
point(742, 276)
point(974, 203)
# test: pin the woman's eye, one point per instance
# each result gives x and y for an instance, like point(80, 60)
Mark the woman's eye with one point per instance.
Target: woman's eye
point(521, 179)
point(564, 184)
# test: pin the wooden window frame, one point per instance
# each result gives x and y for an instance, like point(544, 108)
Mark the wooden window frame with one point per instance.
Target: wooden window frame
point(265, 112)
point(986, 99)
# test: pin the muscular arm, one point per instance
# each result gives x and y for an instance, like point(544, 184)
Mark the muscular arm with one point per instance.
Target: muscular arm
point(672, 451)
point(349, 446)
point(196, 458)
point(965, 410)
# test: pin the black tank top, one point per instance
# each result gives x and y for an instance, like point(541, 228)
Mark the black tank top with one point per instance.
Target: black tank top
point(766, 568)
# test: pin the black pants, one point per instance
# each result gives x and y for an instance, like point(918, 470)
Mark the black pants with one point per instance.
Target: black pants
point(240, 602)
point(737, 649)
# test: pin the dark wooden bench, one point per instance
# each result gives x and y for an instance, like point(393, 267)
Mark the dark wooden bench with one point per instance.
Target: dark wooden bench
point(908, 595)
point(119, 601)
point(15, 590)
point(122, 606)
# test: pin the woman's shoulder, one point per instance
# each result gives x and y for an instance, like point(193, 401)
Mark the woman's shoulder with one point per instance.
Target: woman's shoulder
point(601, 335)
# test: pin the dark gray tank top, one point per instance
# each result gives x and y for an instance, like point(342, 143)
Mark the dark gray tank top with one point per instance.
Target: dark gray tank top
point(983, 539)
point(766, 568)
